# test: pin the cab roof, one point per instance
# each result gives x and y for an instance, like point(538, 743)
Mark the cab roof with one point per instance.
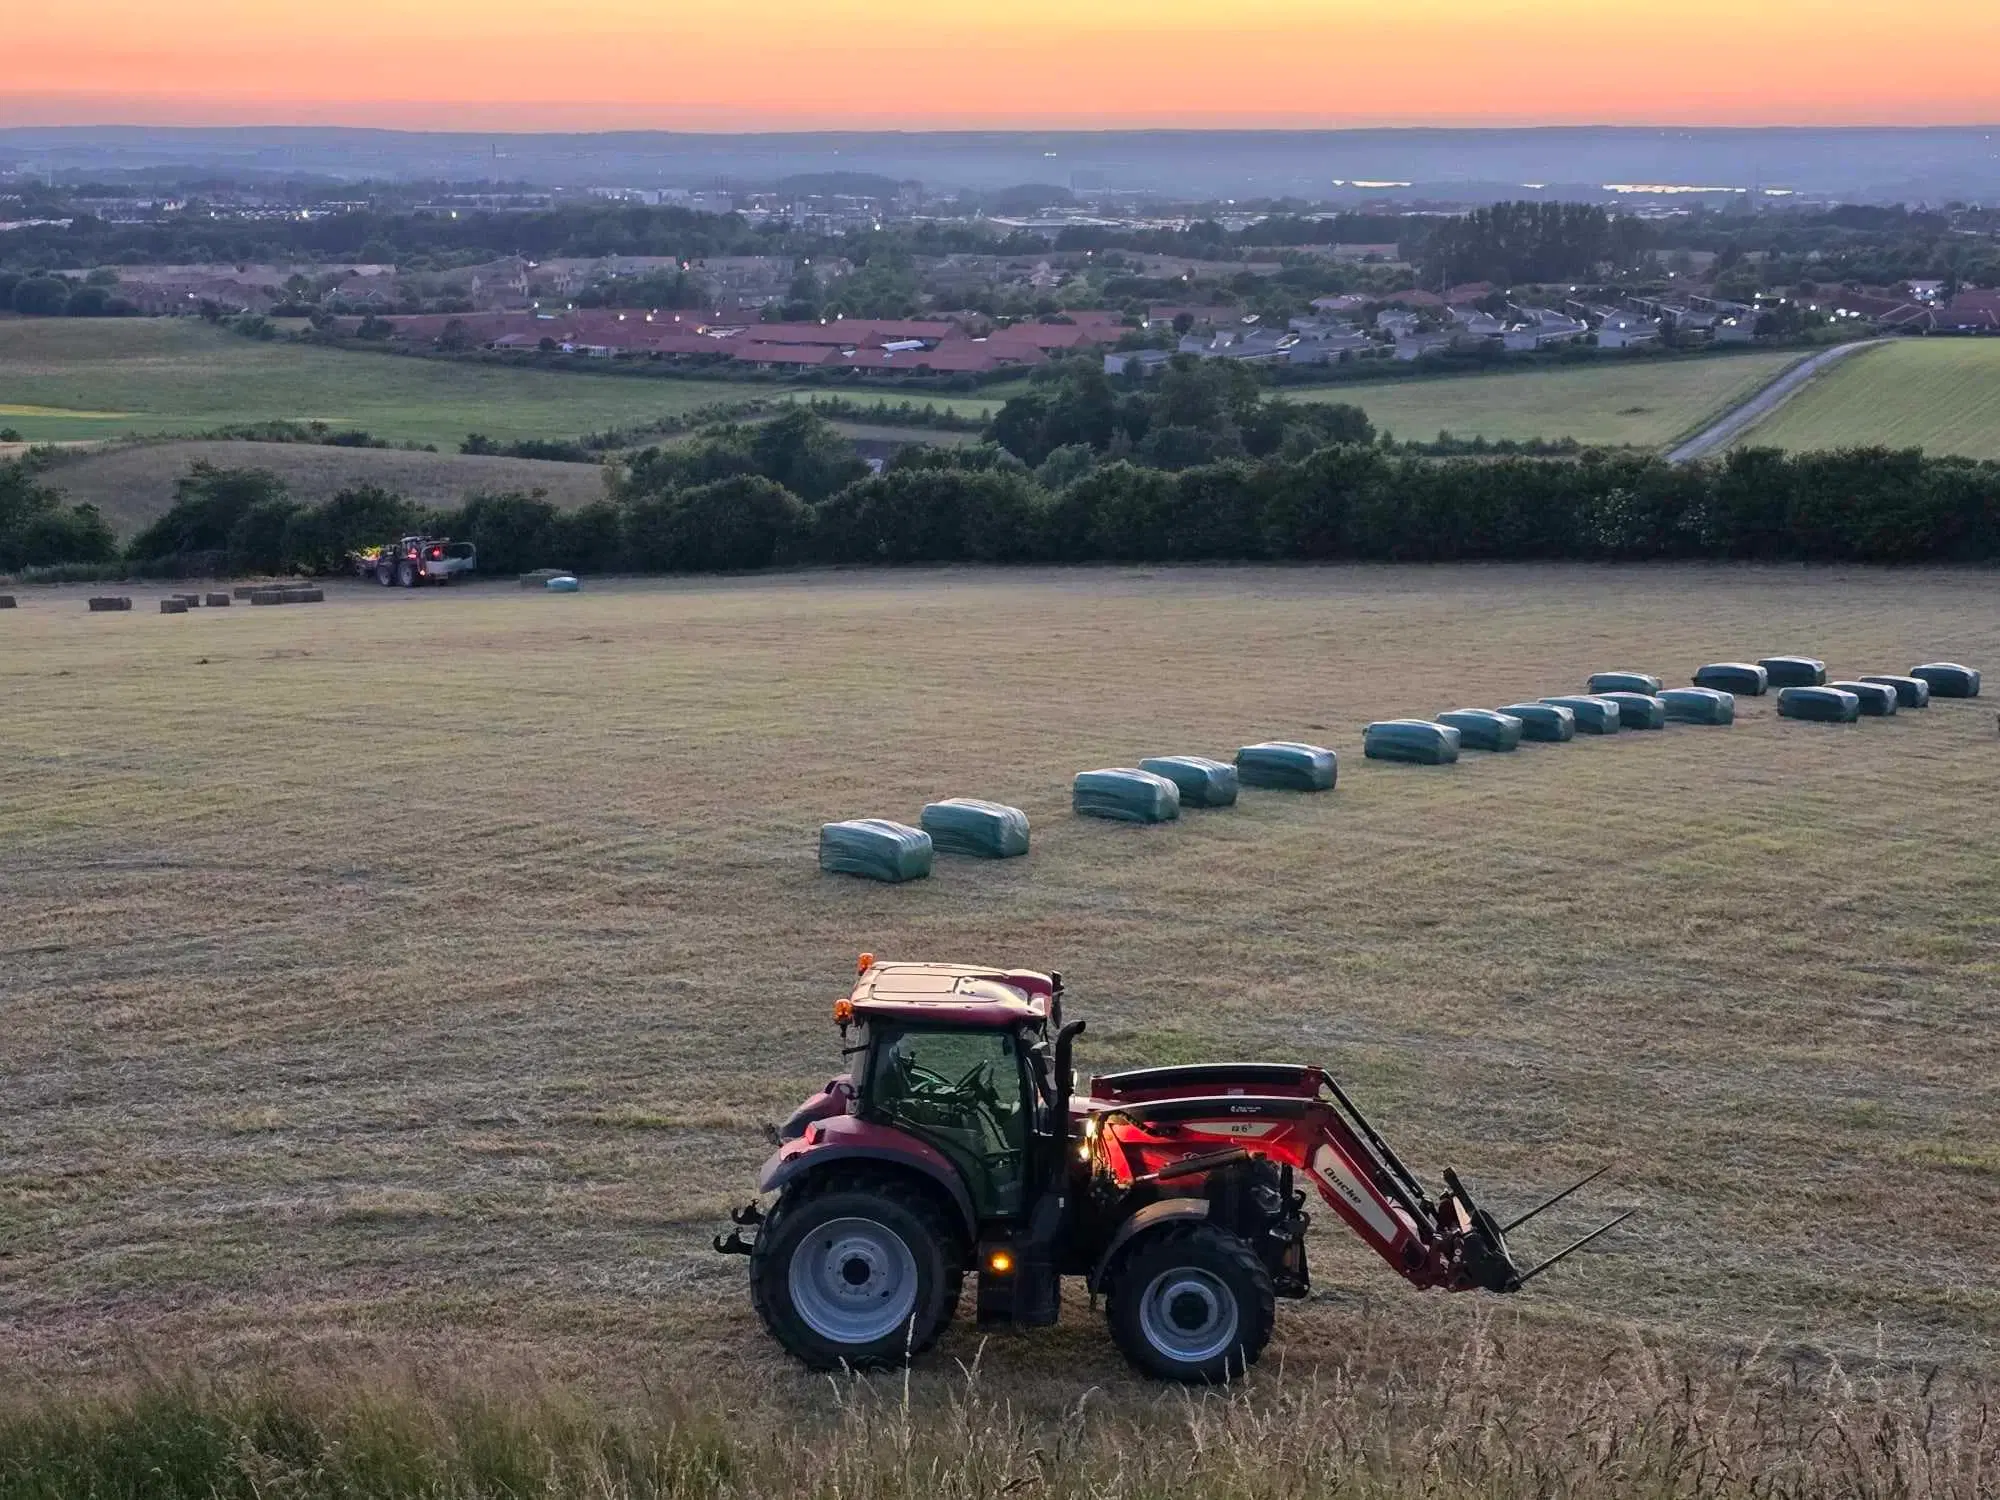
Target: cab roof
point(952, 994)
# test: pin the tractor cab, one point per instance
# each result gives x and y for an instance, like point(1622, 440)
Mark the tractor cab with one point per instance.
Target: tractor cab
point(959, 1059)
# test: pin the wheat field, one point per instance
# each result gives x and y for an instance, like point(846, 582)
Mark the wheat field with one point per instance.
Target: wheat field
point(405, 980)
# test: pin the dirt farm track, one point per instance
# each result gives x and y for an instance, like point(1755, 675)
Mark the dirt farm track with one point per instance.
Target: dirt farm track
point(418, 970)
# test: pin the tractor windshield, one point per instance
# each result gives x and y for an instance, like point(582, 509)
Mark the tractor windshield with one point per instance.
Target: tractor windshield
point(963, 1091)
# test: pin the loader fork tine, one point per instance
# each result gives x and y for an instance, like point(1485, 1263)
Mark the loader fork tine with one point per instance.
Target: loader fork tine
point(1547, 1203)
point(1571, 1249)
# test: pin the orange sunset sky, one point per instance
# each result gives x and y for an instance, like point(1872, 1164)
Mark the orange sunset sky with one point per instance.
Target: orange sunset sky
point(781, 64)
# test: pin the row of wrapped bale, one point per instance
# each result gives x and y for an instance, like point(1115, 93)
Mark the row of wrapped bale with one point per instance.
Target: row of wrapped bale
point(1484, 728)
point(1549, 723)
point(1825, 705)
point(1419, 742)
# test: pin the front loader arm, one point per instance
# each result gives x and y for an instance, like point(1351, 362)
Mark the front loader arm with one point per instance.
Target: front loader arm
point(1168, 1118)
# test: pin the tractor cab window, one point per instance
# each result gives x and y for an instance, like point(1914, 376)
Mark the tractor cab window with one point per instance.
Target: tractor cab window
point(962, 1091)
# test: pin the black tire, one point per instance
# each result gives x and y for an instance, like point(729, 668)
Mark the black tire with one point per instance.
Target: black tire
point(896, 1211)
point(406, 574)
point(1191, 1302)
point(383, 576)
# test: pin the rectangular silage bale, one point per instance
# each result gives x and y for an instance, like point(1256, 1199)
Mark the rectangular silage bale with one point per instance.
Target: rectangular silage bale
point(965, 825)
point(1483, 728)
point(1549, 722)
point(1639, 710)
point(1743, 678)
point(1695, 705)
point(875, 849)
point(1594, 715)
point(173, 606)
point(108, 603)
point(245, 590)
point(1793, 671)
point(1877, 699)
point(1624, 682)
point(1948, 679)
point(6, 601)
point(217, 601)
point(1202, 782)
point(1911, 692)
point(1125, 794)
point(1288, 765)
point(1414, 741)
point(267, 596)
point(1822, 705)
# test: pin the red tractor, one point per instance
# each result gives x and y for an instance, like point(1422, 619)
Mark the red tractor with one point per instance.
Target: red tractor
point(956, 1144)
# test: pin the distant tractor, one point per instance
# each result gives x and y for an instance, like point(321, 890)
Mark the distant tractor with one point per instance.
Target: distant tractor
point(412, 560)
point(956, 1145)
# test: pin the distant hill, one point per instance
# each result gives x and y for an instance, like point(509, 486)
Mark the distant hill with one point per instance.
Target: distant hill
point(1870, 164)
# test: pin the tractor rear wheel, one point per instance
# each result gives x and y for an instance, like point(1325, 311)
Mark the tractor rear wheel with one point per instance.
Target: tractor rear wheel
point(1191, 1302)
point(855, 1271)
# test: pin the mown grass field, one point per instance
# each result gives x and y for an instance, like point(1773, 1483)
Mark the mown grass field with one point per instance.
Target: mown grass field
point(401, 983)
point(63, 379)
point(1645, 404)
point(134, 484)
point(1941, 395)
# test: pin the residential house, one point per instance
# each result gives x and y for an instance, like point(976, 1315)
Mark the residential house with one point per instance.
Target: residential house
point(1415, 346)
point(1144, 361)
point(1623, 330)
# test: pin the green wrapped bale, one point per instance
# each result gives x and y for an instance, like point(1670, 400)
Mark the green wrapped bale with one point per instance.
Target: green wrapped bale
point(1911, 692)
point(1638, 710)
point(1483, 728)
point(1416, 741)
point(1548, 722)
point(1948, 679)
point(1697, 705)
point(1793, 671)
point(1822, 705)
point(1202, 782)
point(875, 849)
point(1125, 794)
point(986, 830)
point(1287, 765)
point(1594, 715)
point(1878, 700)
point(1743, 678)
point(1625, 682)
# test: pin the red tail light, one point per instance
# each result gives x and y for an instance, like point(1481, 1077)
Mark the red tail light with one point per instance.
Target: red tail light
point(437, 552)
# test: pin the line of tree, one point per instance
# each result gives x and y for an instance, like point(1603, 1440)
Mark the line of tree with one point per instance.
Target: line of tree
point(38, 529)
point(792, 492)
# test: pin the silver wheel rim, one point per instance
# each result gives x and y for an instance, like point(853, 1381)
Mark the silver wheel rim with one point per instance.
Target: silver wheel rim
point(853, 1281)
point(1188, 1315)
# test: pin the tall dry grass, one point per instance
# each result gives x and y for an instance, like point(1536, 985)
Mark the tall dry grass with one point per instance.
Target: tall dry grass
point(1485, 1422)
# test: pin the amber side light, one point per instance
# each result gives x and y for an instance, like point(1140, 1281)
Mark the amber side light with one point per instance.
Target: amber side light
point(843, 1012)
point(1000, 1262)
point(864, 963)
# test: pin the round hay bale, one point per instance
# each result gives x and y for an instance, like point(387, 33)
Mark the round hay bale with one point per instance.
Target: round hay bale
point(217, 601)
point(192, 601)
point(1822, 705)
point(562, 583)
point(304, 595)
point(267, 596)
point(103, 603)
point(539, 577)
point(173, 606)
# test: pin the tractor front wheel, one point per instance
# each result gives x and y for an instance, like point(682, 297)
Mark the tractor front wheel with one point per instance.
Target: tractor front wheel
point(859, 1272)
point(1192, 1303)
